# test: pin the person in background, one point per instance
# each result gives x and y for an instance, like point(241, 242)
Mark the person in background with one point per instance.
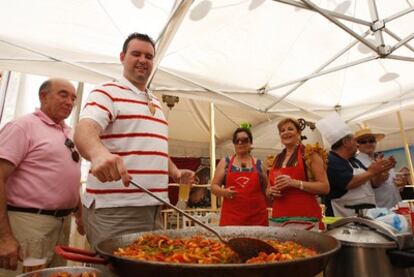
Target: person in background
point(297, 176)
point(124, 134)
point(387, 194)
point(349, 179)
point(39, 174)
point(241, 181)
point(198, 198)
point(404, 183)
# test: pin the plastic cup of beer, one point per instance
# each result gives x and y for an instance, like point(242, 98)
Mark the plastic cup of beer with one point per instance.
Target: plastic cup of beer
point(184, 192)
point(278, 178)
point(34, 254)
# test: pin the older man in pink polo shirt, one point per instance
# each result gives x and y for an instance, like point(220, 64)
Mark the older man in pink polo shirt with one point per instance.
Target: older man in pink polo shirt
point(39, 174)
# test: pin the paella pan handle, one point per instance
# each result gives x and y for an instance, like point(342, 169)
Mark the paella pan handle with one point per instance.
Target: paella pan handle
point(79, 255)
point(402, 258)
point(309, 226)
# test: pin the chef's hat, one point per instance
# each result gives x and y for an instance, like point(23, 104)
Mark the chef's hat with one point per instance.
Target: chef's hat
point(333, 128)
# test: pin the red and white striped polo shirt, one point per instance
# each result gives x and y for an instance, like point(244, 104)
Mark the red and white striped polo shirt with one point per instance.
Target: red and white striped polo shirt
point(139, 137)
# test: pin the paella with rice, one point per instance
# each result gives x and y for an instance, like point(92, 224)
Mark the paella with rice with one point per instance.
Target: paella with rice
point(202, 250)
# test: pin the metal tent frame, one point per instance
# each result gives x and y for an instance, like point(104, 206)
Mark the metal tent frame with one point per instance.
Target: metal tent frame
point(381, 51)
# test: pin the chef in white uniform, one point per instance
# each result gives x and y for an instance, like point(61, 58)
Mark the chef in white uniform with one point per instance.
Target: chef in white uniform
point(349, 180)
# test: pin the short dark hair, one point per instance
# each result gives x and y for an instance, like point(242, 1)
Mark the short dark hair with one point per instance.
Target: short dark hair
point(138, 36)
point(45, 86)
point(340, 142)
point(243, 130)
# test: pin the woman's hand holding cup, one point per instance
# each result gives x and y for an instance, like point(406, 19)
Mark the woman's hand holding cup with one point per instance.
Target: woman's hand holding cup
point(229, 192)
point(283, 182)
point(280, 183)
point(273, 191)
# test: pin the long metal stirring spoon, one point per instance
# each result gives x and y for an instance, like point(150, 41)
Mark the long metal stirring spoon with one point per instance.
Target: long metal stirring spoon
point(246, 248)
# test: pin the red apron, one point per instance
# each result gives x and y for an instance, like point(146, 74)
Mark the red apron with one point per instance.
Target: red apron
point(248, 207)
point(294, 202)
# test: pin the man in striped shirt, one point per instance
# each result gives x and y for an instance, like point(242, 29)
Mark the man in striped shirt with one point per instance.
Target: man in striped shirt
point(124, 134)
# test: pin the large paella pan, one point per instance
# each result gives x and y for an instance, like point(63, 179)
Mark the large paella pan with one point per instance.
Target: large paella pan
point(325, 245)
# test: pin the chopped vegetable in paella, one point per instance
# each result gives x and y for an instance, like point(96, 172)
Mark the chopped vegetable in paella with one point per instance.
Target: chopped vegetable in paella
point(66, 274)
point(202, 250)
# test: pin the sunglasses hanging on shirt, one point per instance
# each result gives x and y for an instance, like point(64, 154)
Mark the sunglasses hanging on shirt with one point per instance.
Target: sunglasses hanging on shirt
point(75, 155)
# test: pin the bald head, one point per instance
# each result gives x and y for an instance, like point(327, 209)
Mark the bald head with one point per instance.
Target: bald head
point(45, 86)
point(57, 98)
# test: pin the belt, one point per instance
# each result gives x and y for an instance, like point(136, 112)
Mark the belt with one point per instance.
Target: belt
point(56, 213)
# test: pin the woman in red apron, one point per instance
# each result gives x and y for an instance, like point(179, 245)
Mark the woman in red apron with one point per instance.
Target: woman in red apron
point(244, 200)
point(292, 190)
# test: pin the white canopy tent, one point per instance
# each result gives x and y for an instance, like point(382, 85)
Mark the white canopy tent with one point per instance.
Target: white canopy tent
point(257, 60)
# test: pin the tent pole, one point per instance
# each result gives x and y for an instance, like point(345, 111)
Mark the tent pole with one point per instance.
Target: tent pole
point(340, 25)
point(235, 99)
point(375, 108)
point(314, 75)
point(54, 59)
point(402, 42)
point(397, 15)
point(319, 69)
point(79, 94)
point(406, 148)
point(212, 153)
point(365, 115)
point(396, 37)
point(334, 14)
point(177, 5)
point(4, 83)
point(396, 132)
point(168, 33)
point(372, 5)
point(199, 116)
point(400, 58)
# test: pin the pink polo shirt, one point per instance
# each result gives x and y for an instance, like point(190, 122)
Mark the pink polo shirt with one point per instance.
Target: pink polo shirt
point(45, 176)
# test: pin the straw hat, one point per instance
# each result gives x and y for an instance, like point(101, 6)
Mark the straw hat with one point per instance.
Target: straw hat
point(333, 128)
point(365, 132)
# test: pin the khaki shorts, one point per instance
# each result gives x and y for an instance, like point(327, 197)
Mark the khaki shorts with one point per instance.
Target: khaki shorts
point(105, 223)
point(28, 225)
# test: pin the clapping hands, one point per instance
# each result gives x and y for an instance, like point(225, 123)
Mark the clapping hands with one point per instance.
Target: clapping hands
point(381, 165)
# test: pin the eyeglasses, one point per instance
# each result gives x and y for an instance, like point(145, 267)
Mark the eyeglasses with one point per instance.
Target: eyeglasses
point(365, 141)
point(75, 155)
point(241, 141)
